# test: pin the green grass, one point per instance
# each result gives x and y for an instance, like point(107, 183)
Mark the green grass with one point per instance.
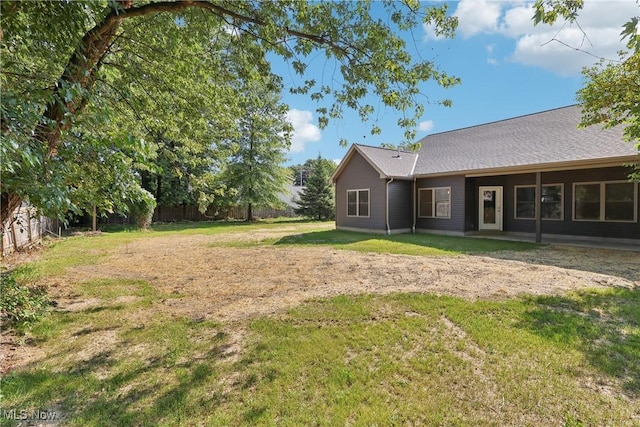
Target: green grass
point(90, 249)
point(407, 244)
point(219, 227)
point(404, 359)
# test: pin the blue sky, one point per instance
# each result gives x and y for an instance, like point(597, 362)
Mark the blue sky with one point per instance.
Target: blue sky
point(507, 66)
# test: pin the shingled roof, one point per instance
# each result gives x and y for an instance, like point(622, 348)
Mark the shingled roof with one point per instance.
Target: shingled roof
point(388, 163)
point(539, 140)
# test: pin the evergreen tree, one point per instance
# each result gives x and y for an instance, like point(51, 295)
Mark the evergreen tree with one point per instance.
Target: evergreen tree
point(316, 200)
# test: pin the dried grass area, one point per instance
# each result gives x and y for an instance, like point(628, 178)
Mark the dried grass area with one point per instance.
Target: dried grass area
point(234, 284)
point(230, 284)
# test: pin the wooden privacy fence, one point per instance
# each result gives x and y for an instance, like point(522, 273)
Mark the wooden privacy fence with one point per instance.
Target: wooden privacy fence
point(26, 229)
point(191, 213)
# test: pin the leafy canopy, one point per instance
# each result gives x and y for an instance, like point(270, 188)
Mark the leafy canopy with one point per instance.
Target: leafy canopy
point(255, 168)
point(123, 70)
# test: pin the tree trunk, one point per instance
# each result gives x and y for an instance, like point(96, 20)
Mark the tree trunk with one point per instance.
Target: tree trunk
point(80, 70)
point(9, 202)
point(250, 213)
point(94, 222)
point(159, 188)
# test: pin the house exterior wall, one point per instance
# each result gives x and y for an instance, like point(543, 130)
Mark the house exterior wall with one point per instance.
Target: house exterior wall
point(400, 205)
point(565, 226)
point(359, 174)
point(456, 223)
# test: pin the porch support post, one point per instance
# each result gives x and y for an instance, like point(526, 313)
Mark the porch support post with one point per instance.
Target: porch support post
point(538, 207)
point(413, 202)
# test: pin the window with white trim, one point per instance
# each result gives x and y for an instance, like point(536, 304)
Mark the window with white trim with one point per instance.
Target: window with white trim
point(358, 203)
point(605, 201)
point(551, 203)
point(434, 202)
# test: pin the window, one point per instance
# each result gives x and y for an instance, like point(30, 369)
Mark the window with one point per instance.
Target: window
point(434, 202)
point(605, 201)
point(551, 203)
point(358, 203)
point(619, 201)
point(587, 201)
point(525, 202)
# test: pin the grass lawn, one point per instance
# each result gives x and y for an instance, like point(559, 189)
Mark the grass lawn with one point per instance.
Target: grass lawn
point(400, 359)
point(407, 244)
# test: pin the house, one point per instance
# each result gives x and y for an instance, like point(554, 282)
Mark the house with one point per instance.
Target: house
point(487, 178)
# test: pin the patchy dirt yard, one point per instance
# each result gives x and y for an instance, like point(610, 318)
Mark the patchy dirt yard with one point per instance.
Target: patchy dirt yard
point(231, 284)
point(227, 283)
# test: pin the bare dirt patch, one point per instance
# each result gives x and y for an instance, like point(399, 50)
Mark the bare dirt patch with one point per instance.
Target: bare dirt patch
point(230, 284)
point(233, 284)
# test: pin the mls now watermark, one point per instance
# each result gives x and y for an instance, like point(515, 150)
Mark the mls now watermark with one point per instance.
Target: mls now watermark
point(24, 415)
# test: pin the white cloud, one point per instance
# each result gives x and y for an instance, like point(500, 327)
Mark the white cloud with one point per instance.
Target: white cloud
point(596, 32)
point(430, 32)
point(426, 126)
point(565, 48)
point(559, 53)
point(303, 130)
point(477, 16)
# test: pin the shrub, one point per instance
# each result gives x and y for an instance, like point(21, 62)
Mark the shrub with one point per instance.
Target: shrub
point(142, 207)
point(21, 305)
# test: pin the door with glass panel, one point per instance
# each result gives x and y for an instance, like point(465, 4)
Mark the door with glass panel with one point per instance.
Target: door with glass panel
point(490, 208)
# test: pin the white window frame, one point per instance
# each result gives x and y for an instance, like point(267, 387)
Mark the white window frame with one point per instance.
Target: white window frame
point(515, 202)
point(433, 202)
point(603, 186)
point(357, 191)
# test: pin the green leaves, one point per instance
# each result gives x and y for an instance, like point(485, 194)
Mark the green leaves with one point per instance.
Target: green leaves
point(79, 74)
point(21, 305)
point(631, 31)
point(256, 156)
point(548, 11)
point(317, 200)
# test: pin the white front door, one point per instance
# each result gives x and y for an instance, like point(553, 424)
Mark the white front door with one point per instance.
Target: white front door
point(490, 208)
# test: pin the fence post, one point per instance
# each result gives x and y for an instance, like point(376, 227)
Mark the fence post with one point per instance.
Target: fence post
point(29, 236)
point(13, 235)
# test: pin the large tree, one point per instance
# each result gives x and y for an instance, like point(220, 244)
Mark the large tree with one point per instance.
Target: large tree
point(55, 54)
point(255, 168)
point(612, 88)
point(180, 112)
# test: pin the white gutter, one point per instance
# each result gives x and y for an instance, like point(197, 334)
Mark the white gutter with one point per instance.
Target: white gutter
point(387, 213)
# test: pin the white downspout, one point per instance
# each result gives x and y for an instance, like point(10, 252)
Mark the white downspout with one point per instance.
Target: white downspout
point(387, 213)
point(413, 200)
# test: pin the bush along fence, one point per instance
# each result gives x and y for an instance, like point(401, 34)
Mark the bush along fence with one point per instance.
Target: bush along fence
point(26, 229)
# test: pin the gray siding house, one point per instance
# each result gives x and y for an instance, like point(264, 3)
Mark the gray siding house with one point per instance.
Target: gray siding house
point(530, 175)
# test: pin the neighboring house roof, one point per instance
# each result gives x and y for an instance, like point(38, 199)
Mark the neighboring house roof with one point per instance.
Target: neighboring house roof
point(533, 141)
point(292, 196)
point(389, 163)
